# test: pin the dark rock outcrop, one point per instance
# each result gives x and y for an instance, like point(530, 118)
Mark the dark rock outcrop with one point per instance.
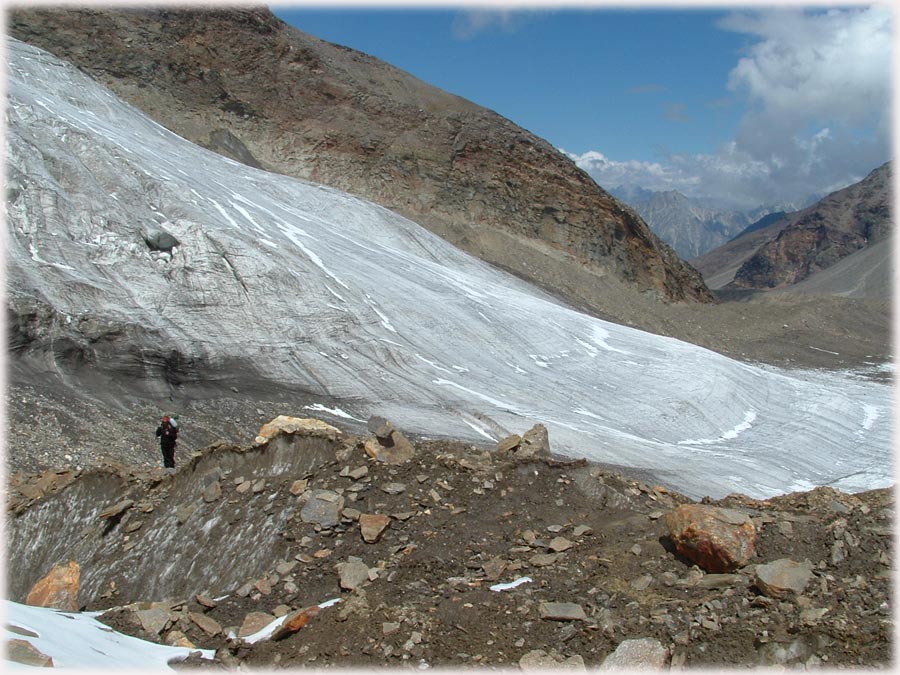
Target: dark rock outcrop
point(243, 83)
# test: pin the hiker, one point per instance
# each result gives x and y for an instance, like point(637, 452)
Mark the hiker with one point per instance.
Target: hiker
point(168, 433)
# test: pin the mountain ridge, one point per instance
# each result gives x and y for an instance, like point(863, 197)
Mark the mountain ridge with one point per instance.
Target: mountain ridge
point(335, 116)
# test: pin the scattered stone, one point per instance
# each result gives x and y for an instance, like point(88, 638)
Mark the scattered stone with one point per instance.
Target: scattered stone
point(294, 622)
point(22, 651)
point(154, 621)
point(494, 568)
point(206, 623)
point(560, 544)
point(58, 589)
point(642, 583)
point(353, 573)
point(183, 512)
point(538, 659)
point(286, 567)
point(644, 653)
point(323, 508)
point(133, 526)
point(372, 526)
point(254, 622)
point(509, 444)
point(391, 448)
point(717, 539)
point(782, 578)
point(544, 559)
point(298, 487)
point(720, 581)
point(212, 492)
point(206, 601)
point(116, 509)
point(535, 444)
point(176, 638)
point(258, 486)
point(562, 611)
point(582, 531)
point(393, 488)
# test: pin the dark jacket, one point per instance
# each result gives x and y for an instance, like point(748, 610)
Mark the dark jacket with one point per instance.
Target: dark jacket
point(167, 435)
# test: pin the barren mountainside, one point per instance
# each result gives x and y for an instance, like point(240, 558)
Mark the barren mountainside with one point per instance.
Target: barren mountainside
point(817, 237)
point(243, 83)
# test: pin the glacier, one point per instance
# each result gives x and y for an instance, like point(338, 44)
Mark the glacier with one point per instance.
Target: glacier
point(373, 315)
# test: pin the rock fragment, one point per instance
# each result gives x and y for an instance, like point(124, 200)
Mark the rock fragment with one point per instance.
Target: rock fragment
point(372, 526)
point(22, 651)
point(295, 621)
point(782, 578)
point(562, 611)
point(58, 589)
point(304, 426)
point(643, 654)
point(716, 539)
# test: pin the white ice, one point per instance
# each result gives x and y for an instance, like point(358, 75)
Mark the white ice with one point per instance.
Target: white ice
point(408, 305)
point(77, 640)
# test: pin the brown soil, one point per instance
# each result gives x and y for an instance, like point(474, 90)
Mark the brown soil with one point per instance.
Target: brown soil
point(468, 519)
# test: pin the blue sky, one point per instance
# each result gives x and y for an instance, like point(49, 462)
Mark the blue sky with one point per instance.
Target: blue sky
point(752, 105)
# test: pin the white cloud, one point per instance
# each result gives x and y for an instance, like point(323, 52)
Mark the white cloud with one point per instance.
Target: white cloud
point(818, 91)
point(468, 24)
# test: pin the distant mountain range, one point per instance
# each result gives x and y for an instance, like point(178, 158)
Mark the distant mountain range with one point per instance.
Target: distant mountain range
point(690, 225)
point(793, 250)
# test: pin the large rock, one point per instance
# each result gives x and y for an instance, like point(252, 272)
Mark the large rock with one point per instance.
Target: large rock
point(22, 651)
point(304, 426)
point(323, 508)
point(391, 447)
point(539, 660)
point(642, 654)
point(784, 577)
point(716, 539)
point(58, 589)
point(535, 444)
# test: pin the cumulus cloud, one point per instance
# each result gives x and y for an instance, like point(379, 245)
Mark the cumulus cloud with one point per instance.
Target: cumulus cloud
point(817, 87)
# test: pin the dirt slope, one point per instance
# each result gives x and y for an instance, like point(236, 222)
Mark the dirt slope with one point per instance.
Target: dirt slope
point(460, 521)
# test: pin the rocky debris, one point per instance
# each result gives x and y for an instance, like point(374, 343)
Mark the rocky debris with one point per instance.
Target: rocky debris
point(254, 622)
point(353, 573)
point(303, 426)
point(535, 444)
point(494, 562)
point(22, 651)
point(780, 578)
point(295, 621)
point(388, 444)
point(645, 653)
point(717, 539)
point(539, 660)
point(372, 526)
point(116, 509)
point(323, 507)
point(562, 611)
point(58, 589)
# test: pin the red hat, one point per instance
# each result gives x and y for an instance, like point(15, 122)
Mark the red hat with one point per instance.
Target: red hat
point(165, 418)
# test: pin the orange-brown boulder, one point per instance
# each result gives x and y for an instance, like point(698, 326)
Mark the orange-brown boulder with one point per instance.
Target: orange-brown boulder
point(716, 539)
point(59, 589)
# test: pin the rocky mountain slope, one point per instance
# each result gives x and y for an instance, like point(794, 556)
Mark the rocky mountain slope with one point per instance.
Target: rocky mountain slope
point(243, 83)
point(450, 556)
point(146, 273)
point(688, 225)
point(817, 237)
